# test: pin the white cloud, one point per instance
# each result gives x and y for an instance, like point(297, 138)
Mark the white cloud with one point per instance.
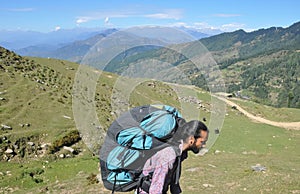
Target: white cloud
point(84, 19)
point(196, 25)
point(232, 27)
point(166, 14)
point(211, 29)
point(204, 25)
point(107, 15)
point(106, 20)
point(100, 16)
point(57, 28)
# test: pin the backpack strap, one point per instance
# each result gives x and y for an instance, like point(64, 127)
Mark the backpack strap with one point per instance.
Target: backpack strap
point(178, 153)
point(144, 183)
point(115, 182)
point(178, 168)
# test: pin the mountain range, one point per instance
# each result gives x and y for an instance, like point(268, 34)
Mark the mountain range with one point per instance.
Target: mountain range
point(18, 39)
point(31, 42)
point(262, 65)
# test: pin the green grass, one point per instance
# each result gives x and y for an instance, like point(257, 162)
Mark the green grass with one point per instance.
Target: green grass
point(67, 68)
point(271, 113)
point(242, 145)
point(51, 174)
point(30, 102)
point(153, 92)
point(242, 142)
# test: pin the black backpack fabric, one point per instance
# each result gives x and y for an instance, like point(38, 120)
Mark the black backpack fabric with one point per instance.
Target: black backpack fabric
point(131, 140)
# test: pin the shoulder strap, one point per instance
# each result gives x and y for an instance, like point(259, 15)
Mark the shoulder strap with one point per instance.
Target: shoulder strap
point(178, 161)
point(178, 169)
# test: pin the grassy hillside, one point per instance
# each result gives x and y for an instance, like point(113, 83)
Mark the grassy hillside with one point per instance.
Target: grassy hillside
point(36, 102)
point(263, 65)
point(269, 112)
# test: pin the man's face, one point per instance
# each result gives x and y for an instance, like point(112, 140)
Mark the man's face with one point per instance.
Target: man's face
point(200, 142)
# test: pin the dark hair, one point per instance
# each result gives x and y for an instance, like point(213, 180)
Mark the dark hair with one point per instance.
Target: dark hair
point(200, 127)
point(191, 128)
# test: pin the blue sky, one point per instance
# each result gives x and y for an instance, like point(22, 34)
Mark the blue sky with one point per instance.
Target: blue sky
point(227, 15)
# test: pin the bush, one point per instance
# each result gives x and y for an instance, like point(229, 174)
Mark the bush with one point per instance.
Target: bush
point(69, 139)
point(32, 172)
point(92, 179)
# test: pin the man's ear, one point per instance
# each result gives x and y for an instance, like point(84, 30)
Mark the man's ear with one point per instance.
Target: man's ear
point(191, 140)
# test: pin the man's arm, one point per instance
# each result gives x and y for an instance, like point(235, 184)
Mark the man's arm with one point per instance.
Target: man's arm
point(175, 188)
point(164, 161)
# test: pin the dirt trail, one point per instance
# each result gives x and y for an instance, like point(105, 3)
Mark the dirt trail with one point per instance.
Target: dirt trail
point(286, 125)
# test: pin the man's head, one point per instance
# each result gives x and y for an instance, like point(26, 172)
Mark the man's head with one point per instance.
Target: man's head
point(201, 137)
point(196, 136)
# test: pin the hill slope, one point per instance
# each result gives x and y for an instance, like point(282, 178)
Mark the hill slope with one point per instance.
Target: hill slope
point(36, 103)
point(263, 64)
point(36, 98)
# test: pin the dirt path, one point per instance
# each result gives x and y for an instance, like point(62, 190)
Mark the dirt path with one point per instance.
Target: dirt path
point(286, 125)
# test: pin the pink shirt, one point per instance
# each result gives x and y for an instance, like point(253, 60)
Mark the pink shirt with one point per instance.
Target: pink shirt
point(160, 163)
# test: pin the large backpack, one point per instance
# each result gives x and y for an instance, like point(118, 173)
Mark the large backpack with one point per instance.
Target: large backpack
point(132, 139)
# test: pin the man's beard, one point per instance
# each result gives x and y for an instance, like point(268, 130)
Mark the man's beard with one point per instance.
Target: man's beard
point(195, 149)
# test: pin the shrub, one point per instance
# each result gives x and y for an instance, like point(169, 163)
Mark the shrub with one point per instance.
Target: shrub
point(69, 139)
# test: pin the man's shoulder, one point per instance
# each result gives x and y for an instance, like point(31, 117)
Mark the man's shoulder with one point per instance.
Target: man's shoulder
point(168, 152)
point(169, 148)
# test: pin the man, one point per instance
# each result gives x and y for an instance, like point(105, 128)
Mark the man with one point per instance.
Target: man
point(163, 166)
